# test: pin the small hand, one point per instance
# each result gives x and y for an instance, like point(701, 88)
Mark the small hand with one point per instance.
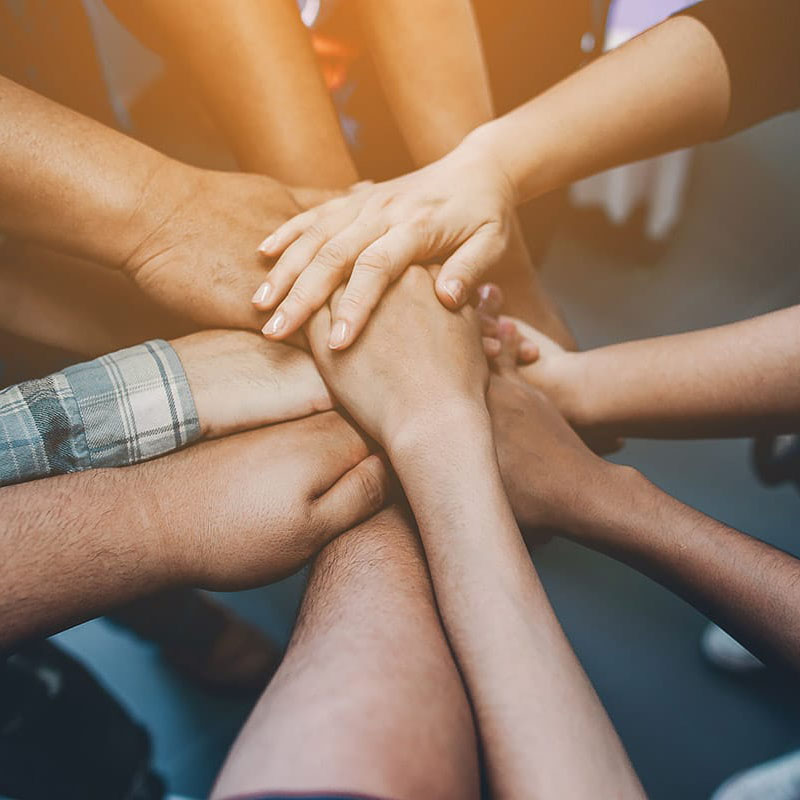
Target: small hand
point(415, 363)
point(458, 209)
point(239, 381)
point(546, 468)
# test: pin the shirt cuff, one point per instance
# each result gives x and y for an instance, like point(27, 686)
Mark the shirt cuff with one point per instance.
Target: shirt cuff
point(134, 404)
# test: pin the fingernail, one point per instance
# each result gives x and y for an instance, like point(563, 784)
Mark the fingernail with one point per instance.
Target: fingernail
point(262, 293)
point(275, 324)
point(455, 289)
point(484, 292)
point(338, 335)
point(267, 244)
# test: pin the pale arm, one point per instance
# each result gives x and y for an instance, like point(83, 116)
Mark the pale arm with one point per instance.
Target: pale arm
point(538, 714)
point(429, 59)
point(740, 379)
point(690, 79)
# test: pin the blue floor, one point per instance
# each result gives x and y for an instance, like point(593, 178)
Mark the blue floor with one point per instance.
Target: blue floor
point(686, 726)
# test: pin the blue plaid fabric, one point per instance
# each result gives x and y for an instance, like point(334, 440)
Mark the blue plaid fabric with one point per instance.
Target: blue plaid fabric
point(117, 410)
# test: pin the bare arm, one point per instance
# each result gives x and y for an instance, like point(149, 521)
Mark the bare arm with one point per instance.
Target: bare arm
point(538, 714)
point(221, 515)
point(254, 65)
point(429, 59)
point(667, 88)
point(555, 481)
point(733, 380)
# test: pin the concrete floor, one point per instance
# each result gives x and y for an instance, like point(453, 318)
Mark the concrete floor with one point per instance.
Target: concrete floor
point(686, 726)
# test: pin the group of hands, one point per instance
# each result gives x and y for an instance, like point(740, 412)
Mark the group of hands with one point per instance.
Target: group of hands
point(417, 363)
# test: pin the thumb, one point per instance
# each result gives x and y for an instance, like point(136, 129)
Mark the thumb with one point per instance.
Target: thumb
point(318, 330)
point(358, 494)
point(463, 271)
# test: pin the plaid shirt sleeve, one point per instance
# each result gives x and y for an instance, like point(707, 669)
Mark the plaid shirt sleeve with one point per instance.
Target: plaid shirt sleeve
point(117, 410)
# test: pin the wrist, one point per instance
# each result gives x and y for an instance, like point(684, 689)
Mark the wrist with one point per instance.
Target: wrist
point(167, 185)
point(602, 512)
point(437, 430)
point(481, 146)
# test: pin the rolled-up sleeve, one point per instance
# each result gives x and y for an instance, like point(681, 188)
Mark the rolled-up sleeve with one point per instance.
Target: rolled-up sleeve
point(116, 410)
point(760, 41)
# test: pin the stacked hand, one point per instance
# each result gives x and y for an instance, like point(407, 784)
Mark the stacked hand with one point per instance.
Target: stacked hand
point(196, 251)
point(548, 471)
point(416, 364)
point(459, 209)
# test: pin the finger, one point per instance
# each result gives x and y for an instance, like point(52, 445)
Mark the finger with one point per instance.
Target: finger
point(320, 278)
point(282, 276)
point(491, 347)
point(285, 234)
point(506, 361)
point(462, 272)
point(528, 352)
point(300, 253)
point(357, 495)
point(374, 270)
point(490, 299)
point(488, 326)
point(318, 329)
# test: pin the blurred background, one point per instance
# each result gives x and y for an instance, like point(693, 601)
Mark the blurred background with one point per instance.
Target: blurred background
point(689, 240)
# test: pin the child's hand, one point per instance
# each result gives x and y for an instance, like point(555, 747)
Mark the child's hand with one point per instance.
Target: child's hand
point(458, 209)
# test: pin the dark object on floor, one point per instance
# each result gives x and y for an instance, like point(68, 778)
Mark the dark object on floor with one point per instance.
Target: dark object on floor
point(62, 735)
point(776, 459)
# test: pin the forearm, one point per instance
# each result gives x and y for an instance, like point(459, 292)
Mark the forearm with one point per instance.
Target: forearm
point(439, 98)
point(747, 586)
point(255, 66)
point(666, 89)
point(537, 712)
point(76, 545)
point(73, 184)
point(220, 515)
point(733, 380)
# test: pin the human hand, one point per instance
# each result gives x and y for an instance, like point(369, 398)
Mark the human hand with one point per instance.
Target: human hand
point(197, 249)
point(264, 502)
point(416, 363)
point(458, 209)
point(548, 471)
point(239, 381)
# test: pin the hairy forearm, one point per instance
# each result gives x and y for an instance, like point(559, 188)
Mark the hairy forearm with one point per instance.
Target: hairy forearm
point(437, 99)
point(666, 89)
point(255, 66)
point(74, 546)
point(747, 586)
point(503, 630)
point(221, 515)
point(74, 184)
point(734, 380)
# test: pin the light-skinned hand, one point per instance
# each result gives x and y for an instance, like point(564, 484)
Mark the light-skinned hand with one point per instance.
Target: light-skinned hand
point(458, 210)
point(416, 364)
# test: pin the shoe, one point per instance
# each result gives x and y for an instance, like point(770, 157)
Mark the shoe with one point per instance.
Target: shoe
point(722, 650)
point(778, 779)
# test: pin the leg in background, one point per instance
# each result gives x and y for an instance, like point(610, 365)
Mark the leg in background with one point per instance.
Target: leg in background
point(368, 698)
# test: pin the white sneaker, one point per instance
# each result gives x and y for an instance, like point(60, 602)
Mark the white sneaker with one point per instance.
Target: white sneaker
point(722, 650)
point(776, 780)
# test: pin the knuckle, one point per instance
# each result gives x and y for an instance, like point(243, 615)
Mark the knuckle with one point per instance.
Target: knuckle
point(374, 260)
point(332, 256)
